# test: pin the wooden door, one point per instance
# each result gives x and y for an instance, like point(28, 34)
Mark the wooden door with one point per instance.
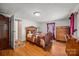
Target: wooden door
point(4, 33)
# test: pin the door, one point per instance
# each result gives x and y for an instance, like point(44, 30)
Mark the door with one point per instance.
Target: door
point(12, 31)
point(19, 29)
point(51, 28)
point(4, 34)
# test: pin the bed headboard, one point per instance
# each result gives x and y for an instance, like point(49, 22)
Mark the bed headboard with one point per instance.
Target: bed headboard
point(31, 28)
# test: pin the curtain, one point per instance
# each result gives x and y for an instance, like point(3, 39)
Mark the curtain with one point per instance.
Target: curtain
point(72, 24)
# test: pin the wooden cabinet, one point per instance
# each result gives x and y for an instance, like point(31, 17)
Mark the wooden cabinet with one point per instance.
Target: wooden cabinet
point(61, 31)
point(4, 32)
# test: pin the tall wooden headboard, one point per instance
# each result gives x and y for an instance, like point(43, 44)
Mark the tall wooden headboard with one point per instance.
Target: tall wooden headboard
point(31, 28)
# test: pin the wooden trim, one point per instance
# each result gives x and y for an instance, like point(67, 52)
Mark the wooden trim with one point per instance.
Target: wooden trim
point(19, 28)
point(48, 27)
point(52, 28)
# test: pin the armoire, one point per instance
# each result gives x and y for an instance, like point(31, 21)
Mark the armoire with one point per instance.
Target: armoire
point(4, 32)
point(10, 31)
point(61, 32)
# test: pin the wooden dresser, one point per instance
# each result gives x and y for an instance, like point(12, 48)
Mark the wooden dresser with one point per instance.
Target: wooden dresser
point(61, 31)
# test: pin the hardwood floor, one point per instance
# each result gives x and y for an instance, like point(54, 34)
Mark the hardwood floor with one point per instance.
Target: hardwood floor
point(58, 49)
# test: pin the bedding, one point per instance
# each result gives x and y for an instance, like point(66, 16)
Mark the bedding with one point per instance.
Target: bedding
point(40, 39)
point(42, 42)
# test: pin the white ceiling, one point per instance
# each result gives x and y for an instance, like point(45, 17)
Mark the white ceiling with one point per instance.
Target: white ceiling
point(48, 11)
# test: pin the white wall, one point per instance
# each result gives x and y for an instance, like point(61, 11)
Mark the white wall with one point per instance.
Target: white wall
point(41, 26)
point(78, 25)
point(63, 22)
point(75, 24)
point(26, 23)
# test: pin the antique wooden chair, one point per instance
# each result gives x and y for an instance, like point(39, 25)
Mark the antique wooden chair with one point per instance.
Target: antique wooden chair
point(72, 46)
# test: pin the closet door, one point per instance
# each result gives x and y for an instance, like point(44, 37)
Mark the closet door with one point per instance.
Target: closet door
point(12, 31)
point(19, 29)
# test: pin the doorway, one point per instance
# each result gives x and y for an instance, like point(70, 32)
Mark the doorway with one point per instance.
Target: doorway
point(4, 32)
point(51, 28)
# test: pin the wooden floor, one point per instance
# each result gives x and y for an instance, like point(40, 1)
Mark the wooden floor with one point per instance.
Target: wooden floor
point(58, 49)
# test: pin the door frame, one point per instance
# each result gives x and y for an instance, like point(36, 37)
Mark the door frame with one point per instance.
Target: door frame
point(52, 29)
point(19, 29)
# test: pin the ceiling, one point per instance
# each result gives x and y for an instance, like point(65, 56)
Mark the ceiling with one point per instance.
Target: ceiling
point(48, 11)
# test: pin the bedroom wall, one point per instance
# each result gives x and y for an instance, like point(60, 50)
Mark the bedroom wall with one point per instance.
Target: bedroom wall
point(40, 25)
point(26, 23)
point(78, 25)
point(62, 22)
point(75, 24)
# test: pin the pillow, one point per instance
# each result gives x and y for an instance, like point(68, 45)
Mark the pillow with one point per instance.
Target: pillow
point(42, 34)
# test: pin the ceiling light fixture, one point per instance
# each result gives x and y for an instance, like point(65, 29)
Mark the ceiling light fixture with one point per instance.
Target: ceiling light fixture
point(36, 13)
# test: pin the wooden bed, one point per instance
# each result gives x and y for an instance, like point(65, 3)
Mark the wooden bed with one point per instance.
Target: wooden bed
point(41, 39)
